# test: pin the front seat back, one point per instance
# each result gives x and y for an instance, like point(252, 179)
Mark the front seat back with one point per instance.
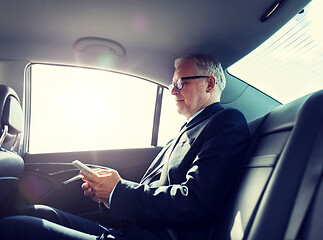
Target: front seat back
point(11, 164)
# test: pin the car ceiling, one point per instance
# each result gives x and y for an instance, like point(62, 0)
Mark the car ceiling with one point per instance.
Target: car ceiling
point(139, 37)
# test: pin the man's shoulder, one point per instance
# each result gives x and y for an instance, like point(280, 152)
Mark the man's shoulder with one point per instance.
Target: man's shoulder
point(218, 115)
point(229, 115)
point(217, 110)
point(232, 112)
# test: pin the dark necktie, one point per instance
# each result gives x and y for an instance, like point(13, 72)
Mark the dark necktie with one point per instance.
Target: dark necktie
point(152, 178)
point(170, 151)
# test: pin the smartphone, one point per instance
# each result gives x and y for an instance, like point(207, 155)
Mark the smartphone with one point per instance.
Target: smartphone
point(83, 167)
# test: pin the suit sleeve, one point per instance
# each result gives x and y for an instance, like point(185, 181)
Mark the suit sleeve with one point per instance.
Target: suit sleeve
point(220, 149)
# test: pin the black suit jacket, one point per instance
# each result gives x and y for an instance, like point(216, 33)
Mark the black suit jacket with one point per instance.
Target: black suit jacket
point(182, 200)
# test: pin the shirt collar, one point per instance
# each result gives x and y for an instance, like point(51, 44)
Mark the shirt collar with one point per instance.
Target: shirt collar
point(194, 115)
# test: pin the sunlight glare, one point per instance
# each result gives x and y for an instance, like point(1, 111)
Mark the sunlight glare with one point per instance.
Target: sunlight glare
point(77, 109)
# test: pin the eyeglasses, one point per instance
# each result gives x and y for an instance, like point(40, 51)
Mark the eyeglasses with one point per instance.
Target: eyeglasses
point(179, 82)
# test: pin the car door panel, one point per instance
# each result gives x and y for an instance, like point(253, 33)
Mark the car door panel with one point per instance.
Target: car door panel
point(48, 178)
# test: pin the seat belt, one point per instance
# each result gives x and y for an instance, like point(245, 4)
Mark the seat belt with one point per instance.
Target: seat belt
point(307, 190)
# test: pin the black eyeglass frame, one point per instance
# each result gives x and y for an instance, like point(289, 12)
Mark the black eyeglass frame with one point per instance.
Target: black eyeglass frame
point(179, 82)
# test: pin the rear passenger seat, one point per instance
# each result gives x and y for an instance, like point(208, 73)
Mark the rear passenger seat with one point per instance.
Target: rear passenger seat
point(280, 177)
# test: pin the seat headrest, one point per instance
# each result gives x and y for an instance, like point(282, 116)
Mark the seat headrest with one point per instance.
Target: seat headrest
point(11, 116)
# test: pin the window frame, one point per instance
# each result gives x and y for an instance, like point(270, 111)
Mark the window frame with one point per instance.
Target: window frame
point(27, 104)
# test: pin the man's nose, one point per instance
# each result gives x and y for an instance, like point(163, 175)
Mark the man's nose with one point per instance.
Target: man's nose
point(174, 90)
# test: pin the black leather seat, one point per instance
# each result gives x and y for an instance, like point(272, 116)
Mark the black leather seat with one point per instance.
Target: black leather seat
point(280, 176)
point(11, 164)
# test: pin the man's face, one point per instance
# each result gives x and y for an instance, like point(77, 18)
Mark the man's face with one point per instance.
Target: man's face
point(193, 96)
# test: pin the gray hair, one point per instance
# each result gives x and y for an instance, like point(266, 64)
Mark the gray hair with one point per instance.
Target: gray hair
point(206, 64)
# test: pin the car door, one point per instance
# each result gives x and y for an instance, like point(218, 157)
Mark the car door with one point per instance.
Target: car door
point(101, 118)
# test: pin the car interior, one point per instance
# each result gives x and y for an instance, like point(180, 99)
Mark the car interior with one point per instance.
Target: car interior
point(279, 189)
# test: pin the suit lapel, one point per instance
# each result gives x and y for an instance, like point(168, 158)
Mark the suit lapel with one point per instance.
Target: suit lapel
point(206, 113)
point(158, 163)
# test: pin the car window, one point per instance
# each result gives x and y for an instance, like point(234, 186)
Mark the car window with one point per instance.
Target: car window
point(170, 120)
point(75, 109)
point(290, 63)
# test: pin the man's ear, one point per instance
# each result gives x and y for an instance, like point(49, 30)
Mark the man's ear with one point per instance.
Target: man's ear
point(211, 82)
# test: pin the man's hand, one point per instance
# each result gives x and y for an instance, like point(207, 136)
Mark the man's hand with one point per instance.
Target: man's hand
point(100, 188)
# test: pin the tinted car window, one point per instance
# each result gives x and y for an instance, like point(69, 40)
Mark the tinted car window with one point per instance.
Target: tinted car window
point(75, 109)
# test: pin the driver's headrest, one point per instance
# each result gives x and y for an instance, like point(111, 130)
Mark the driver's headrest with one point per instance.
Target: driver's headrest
point(11, 117)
